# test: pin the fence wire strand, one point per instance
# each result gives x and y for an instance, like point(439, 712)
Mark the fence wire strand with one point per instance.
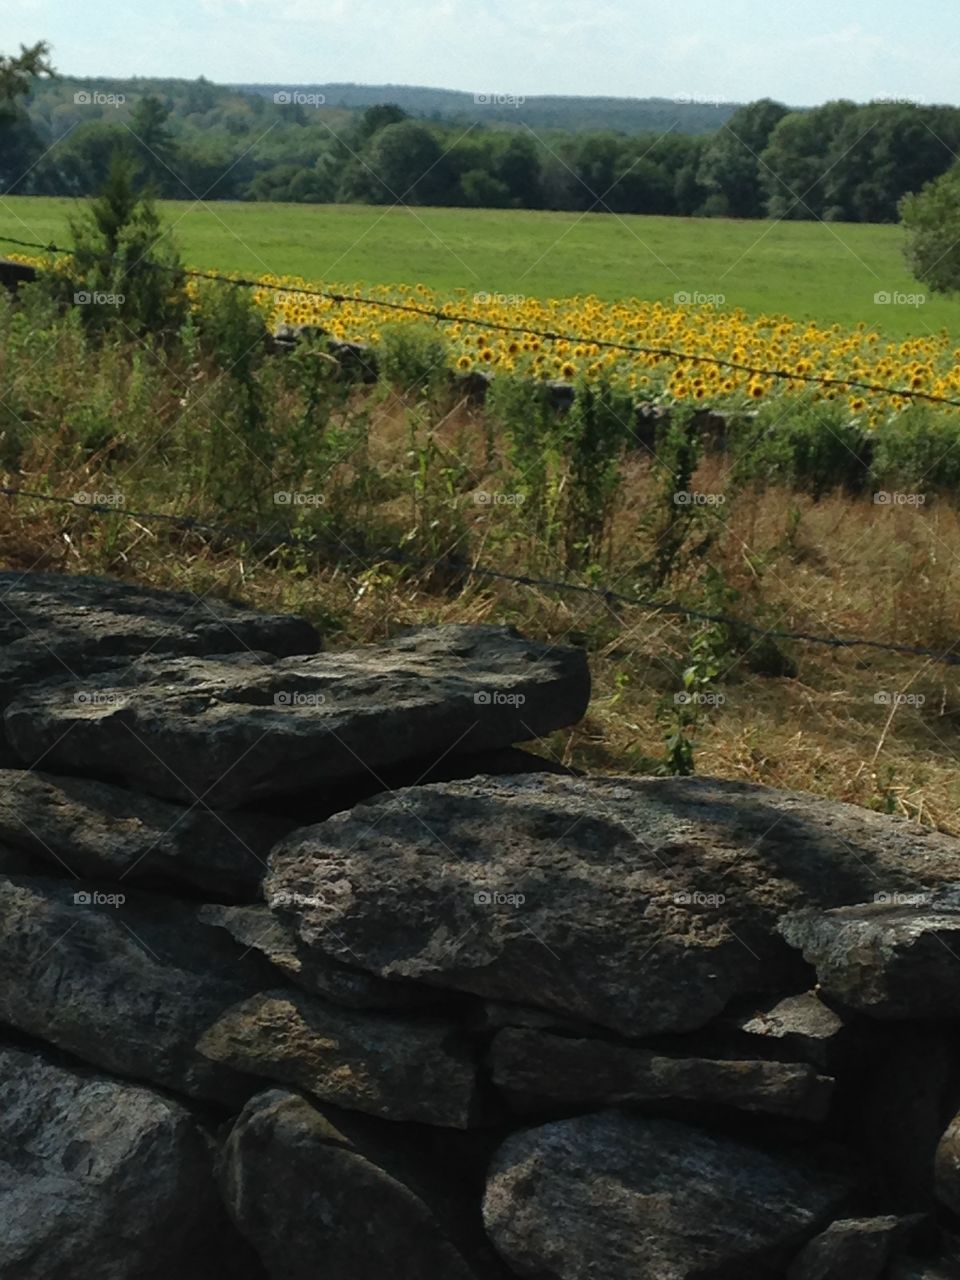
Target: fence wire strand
point(273, 540)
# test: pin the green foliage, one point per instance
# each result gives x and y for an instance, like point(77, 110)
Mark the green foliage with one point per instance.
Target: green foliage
point(414, 358)
point(932, 223)
point(730, 164)
point(814, 447)
point(672, 519)
point(126, 270)
point(17, 71)
point(918, 451)
point(593, 437)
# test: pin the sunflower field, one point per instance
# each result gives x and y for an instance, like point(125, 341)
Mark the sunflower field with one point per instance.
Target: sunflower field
point(704, 333)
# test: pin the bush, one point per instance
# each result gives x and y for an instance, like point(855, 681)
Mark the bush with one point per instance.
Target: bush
point(413, 358)
point(814, 447)
point(126, 271)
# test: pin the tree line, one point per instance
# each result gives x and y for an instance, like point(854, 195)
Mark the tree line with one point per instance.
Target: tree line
point(842, 161)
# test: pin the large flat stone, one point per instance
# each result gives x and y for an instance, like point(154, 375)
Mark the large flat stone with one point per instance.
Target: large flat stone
point(898, 959)
point(537, 1071)
point(58, 625)
point(104, 1180)
point(77, 827)
point(398, 1068)
point(233, 729)
point(305, 1184)
point(642, 905)
point(629, 1198)
point(130, 988)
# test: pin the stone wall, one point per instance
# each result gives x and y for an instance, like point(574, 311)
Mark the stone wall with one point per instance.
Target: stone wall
point(306, 970)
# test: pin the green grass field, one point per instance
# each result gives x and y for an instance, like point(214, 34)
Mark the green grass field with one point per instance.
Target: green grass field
point(828, 273)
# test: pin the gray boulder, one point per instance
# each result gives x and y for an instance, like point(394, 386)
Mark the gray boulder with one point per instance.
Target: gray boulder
point(103, 1180)
point(59, 625)
point(850, 1247)
point(898, 959)
point(397, 1068)
point(235, 728)
point(626, 1197)
point(130, 987)
point(76, 827)
point(304, 1185)
point(537, 1071)
point(642, 905)
point(257, 927)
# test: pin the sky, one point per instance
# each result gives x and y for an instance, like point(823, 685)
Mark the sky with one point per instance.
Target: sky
point(799, 53)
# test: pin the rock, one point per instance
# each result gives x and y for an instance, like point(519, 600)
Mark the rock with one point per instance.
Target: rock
point(626, 1197)
point(473, 386)
point(357, 360)
point(76, 827)
point(129, 987)
point(898, 959)
point(14, 274)
point(302, 1185)
point(642, 905)
point(537, 1071)
point(493, 1015)
point(400, 1069)
point(850, 1247)
point(947, 1166)
point(102, 1180)
point(801, 1026)
point(54, 624)
point(235, 728)
point(257, 927)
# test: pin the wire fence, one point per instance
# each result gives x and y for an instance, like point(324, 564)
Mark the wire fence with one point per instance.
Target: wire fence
point(274, 539)
point(444, 316)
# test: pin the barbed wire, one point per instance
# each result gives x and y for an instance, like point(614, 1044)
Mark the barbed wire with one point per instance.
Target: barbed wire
point(448, 317)
point(275, 540)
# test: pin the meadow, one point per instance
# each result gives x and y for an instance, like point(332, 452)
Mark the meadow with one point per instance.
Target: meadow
point(829, 273)
point(789, 533)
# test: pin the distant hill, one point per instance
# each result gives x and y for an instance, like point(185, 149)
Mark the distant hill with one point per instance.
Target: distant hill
point(571, 114)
